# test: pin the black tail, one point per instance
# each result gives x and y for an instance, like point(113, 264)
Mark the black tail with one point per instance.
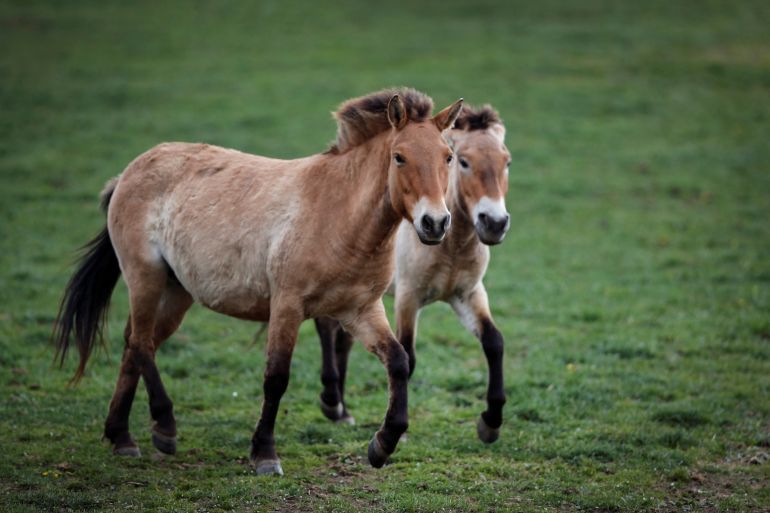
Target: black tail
point(83, 309)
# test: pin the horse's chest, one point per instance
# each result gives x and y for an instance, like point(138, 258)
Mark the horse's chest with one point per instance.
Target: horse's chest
point(450, 278)
point(355, 283)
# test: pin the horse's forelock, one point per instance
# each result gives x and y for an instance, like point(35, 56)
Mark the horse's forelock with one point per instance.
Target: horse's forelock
point(360, 119)
point(477, 118)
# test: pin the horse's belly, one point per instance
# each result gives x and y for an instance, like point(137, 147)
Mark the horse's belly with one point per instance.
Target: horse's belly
point(230, 282)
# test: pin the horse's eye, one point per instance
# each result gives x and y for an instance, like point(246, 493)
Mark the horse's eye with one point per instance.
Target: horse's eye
point(464, 163)
point(449, 159)
point(399, 159)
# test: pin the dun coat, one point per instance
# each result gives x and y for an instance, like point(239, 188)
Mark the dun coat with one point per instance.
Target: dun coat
point(266, 240)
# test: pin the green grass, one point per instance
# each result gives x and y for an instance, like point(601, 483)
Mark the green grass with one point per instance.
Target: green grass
point(633, 289)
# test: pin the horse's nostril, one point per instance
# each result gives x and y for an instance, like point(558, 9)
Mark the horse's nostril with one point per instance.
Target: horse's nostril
point(444, 224)
point(498, 225)
point(484, 218)
point(427, 224)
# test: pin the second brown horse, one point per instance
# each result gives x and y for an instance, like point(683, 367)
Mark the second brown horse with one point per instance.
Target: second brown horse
point(450, 272)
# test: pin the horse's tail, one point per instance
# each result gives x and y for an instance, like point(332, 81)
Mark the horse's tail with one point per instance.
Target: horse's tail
point(83, 308)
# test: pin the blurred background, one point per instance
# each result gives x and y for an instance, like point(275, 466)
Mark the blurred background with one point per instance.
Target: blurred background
point(632, 288)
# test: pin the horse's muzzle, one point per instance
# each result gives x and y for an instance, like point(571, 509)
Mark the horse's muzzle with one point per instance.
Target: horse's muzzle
point(432, 230)
point(492, 230)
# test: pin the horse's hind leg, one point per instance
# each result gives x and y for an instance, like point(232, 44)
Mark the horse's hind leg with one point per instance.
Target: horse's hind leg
point(174, 304)
point(152, 299)
point(116, 425)
point(473, 310)
point(335, 347)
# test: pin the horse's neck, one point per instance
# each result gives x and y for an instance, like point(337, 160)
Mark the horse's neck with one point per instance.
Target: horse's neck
point(462, 233)
point(372, 219)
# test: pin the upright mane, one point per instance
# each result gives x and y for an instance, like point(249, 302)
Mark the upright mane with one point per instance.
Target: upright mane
point(360, 119)
point(477, 118)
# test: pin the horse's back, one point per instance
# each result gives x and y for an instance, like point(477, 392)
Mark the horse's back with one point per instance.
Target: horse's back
point(213, 215)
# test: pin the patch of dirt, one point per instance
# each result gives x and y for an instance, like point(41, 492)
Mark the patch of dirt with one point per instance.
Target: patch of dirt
point(707, 485)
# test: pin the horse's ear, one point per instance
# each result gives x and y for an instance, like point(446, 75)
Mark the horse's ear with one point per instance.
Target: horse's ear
point(397, 112)
point(446, 118)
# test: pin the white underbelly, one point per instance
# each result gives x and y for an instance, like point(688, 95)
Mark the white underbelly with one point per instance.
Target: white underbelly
point(223, 280)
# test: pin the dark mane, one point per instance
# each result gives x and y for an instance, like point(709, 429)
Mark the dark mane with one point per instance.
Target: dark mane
point(477, 118)
point(360, 119)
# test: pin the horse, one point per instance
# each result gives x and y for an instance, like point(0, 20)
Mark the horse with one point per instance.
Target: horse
point(451, 272)
point(268, 240)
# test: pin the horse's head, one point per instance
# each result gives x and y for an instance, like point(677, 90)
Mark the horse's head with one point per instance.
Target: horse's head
point(480, 171)
point(418, 175)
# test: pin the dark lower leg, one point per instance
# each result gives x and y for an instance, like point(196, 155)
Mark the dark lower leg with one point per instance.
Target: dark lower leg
point(492, 343)
point(281, 338)
point(342, 351)
point(116, 424)
point(406, 323)
point(406, 339)
point(161, 407)
point(397, 417)
point(276, 381)
point(327, 332)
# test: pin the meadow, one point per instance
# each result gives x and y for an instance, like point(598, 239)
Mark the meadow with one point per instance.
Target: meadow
point(633, 288)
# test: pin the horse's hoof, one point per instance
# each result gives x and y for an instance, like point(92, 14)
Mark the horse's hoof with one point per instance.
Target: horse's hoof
point(486, 434)
point(131, 451)
point(164, 443)
point(333, 412)
point(347, 419)
point(268, 468)
point(377, 455)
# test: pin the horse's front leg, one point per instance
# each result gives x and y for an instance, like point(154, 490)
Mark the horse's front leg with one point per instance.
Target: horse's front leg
point(371, 327)
point(281, 339)
point(473, 310)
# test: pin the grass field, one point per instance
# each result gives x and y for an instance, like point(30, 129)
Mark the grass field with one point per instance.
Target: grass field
point(633, 288)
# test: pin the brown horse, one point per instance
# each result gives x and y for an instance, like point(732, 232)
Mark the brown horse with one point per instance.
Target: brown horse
point(265, 240)
point(450, 272)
